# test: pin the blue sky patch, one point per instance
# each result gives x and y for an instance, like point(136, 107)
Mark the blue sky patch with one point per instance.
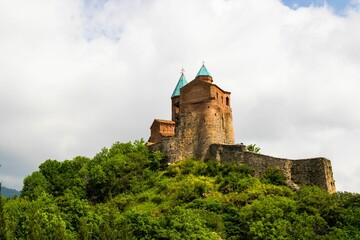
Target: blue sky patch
point(339, 6)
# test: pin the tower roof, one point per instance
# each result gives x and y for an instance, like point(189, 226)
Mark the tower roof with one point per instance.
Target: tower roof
point(203, 71)
point(182, 82)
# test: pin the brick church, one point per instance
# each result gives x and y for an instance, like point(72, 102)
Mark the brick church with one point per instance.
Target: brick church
point(201, 115)
point(201, 127)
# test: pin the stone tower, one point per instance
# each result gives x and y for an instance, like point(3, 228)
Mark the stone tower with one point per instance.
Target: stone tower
point(202, 116)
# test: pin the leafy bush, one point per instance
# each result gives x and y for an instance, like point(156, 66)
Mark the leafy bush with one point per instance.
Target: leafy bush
point(274, 176)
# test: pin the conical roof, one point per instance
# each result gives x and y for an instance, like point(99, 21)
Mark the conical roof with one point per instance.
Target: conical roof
point(203, 71)
point(182, 82)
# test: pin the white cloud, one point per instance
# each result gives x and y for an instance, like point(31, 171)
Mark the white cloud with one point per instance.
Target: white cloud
point(76, 77)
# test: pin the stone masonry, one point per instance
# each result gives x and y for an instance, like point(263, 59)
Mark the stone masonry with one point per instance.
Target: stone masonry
point(202, 128)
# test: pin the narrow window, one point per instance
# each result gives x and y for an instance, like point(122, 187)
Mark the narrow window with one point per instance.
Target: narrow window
point(227, 101)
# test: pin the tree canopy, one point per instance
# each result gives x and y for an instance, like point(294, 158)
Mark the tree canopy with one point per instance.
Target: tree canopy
point(126, 192)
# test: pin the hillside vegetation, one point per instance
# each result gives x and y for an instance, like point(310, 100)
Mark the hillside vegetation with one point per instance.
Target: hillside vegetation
point(125, 192)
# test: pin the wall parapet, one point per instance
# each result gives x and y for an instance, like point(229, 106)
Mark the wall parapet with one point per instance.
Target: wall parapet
point(312, 171)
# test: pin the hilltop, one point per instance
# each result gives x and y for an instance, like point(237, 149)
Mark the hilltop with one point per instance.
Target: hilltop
point(127, 192)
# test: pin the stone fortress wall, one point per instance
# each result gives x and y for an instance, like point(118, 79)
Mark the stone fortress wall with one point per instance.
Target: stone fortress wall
point(203, 129)
point(312, 171)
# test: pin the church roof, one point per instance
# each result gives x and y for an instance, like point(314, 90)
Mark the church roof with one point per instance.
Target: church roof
point(203, 71)
point(182, 82)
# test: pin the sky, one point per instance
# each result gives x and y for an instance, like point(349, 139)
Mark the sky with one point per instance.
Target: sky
point(77, 76)
point(339, 7)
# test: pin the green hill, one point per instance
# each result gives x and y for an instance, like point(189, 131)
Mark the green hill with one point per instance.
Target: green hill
point(125, 192)
point(8, 192)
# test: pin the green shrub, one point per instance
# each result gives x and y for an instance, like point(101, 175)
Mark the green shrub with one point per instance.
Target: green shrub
point(273, 176)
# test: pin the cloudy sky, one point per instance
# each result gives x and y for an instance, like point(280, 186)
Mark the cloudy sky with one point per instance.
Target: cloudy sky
point(79, 75)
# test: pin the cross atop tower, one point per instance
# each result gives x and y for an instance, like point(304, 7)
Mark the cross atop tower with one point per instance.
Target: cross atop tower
point(182, 71)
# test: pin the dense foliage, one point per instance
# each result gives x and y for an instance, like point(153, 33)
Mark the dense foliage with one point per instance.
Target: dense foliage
point(125, 192)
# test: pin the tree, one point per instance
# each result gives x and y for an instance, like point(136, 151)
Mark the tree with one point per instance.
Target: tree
point(38, 219)
point(273, 176)
point(253, 148)
point(2, 220)
point(34, 186)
